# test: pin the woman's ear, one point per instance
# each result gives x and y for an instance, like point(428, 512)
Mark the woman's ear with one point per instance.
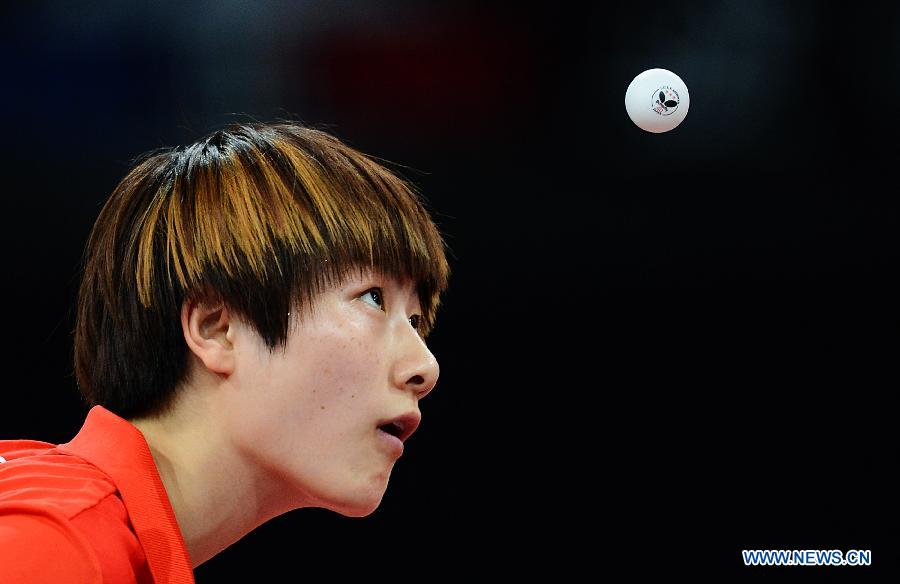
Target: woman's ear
point(209, 333)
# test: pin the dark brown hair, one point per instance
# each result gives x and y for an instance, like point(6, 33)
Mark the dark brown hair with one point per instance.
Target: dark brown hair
point(262, 217)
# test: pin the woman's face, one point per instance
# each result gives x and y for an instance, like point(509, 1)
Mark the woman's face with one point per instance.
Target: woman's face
point(309, 417)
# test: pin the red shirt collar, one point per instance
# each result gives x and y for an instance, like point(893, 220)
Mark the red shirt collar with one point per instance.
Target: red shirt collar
point(119, 449)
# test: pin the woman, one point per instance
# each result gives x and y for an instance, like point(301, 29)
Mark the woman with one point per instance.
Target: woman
point(250, 338)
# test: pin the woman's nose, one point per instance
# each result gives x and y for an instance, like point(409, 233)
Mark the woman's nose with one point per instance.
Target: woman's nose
point(417, 369)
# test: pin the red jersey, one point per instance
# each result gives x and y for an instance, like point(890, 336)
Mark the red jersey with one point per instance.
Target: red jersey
point(93, 510)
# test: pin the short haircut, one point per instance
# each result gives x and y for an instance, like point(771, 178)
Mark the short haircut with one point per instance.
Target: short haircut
point(261, 217)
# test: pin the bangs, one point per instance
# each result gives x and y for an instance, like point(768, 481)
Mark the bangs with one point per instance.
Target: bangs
point(285, 208)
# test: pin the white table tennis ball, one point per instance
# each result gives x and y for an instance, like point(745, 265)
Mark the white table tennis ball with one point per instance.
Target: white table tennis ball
point(657, 100)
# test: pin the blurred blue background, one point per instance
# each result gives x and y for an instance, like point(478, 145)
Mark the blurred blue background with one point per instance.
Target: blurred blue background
point(675, 342)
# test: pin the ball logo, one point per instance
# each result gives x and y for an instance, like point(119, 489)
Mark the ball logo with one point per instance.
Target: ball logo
point(664, 101)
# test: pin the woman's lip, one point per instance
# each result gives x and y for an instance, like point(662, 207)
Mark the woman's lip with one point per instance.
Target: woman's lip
point(391, 442)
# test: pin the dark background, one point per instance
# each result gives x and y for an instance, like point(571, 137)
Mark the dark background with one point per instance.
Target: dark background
point(656, 350)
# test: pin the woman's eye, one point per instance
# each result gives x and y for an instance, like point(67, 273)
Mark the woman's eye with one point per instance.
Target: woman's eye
point(415, 320)
point(377, 299)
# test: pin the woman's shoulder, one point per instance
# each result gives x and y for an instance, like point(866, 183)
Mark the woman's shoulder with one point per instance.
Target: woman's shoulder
point(36, 473)
point(52, 497)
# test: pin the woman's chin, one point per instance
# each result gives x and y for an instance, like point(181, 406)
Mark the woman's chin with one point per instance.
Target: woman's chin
point(357, 510)
point(359, 507)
